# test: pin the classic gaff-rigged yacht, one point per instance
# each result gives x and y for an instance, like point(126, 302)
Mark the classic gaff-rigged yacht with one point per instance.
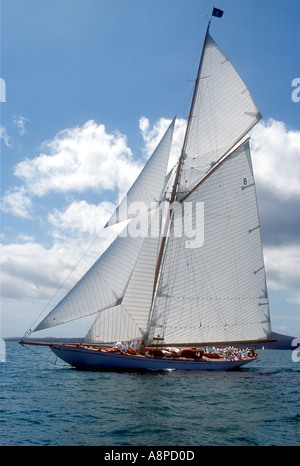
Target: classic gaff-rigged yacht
point(177, 289)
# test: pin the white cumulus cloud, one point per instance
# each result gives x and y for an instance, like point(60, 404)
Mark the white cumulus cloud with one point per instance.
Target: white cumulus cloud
point(21, 122)
point(283, 272)
point(78, 159)
point(276, 154)
point(152, 136)
point(5, 137)
point(17, 202)
point(80, 217)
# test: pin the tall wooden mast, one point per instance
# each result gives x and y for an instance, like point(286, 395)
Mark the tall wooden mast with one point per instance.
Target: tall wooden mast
point(178, 173)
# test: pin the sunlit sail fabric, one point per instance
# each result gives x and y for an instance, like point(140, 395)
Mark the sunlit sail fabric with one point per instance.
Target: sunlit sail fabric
point(112, 325)
point(101, 287)
point(223, 112)
point(216, 292)
point(130, 319)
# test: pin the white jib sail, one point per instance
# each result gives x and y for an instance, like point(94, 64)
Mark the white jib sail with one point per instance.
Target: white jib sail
point(223, 112)
point(147, 190)
point(104, 285)
point(216, 292)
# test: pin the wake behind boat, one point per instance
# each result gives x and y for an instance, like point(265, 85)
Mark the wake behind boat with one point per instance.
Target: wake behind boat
point(194, 275)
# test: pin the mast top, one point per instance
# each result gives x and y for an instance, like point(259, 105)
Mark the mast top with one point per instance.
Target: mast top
point(217, 13)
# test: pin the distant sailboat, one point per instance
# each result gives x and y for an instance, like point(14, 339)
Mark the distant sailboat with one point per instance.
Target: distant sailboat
point(196, 276)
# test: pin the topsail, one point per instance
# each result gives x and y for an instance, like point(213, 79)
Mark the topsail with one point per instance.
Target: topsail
point(222, 113)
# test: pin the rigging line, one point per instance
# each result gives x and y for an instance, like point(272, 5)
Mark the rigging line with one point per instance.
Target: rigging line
point(58, 289)
point(192, 287)
point(218, 309)
point(177, 179)
point(129, 322)
point(170, 90)
point(33, 350)
point(244, 166)
point(180, 162)
point(158, 274)
point(131, 276)
point(258, 218)
point(185, 105)
point(228, 228)
point(210, 283)
point(209, 114)
point(219, 162)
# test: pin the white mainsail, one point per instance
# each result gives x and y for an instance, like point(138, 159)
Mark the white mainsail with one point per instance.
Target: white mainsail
point(222, 113)
point(216, 292)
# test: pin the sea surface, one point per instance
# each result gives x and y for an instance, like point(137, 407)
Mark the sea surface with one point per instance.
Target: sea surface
point(45, 402)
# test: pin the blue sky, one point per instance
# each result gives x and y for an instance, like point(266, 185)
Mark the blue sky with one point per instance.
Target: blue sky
point(80, 73)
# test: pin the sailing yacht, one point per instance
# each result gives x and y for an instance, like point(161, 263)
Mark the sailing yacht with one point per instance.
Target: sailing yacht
point(195, 278)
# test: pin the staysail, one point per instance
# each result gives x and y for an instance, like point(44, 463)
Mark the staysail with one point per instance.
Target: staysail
point(129, 320)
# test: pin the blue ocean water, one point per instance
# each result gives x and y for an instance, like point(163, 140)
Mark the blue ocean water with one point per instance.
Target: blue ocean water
point(45, 402)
